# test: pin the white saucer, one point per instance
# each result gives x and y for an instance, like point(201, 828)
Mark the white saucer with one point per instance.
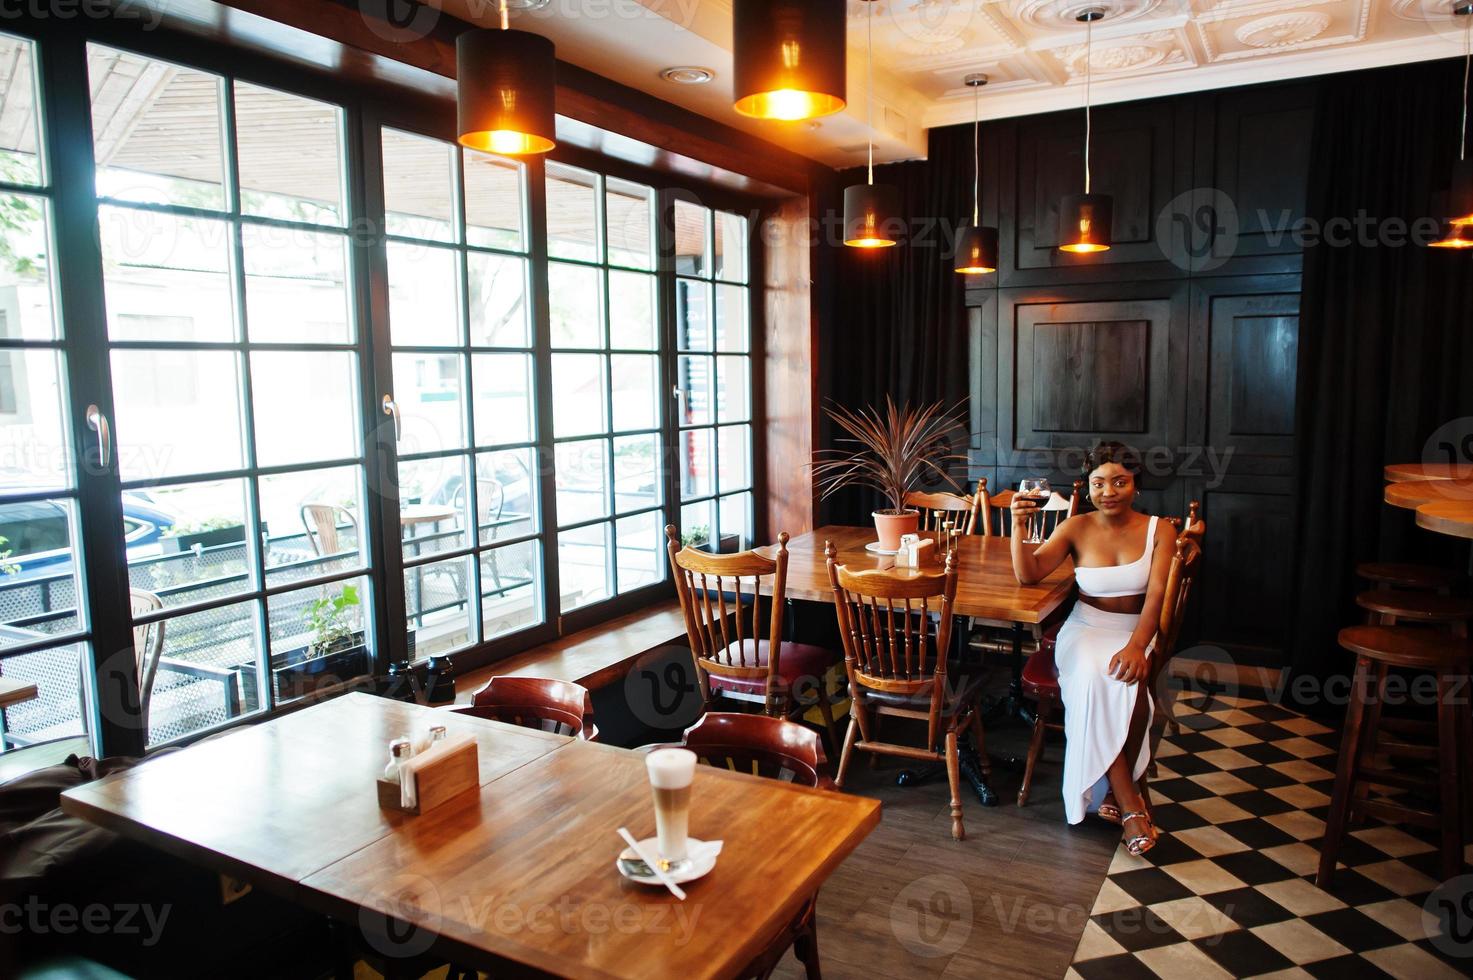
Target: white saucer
point(702, 859)
point(874, 548)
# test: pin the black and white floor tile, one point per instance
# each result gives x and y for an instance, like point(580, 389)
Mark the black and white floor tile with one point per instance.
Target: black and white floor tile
point(1241, 797)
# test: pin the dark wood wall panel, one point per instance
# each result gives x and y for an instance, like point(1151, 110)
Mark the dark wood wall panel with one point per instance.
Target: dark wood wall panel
point(1245, 586)
point(1090, 377)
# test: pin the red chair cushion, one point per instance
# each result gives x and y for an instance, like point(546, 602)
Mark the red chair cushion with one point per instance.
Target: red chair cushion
point(1040, 675)
point(798, 660)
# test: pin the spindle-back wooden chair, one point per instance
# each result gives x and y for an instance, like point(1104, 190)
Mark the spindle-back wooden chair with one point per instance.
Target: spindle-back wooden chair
point(937, 508)
point(996, 516)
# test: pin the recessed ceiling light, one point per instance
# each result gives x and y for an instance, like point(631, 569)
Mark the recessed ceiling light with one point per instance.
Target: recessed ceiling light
point(687, 75)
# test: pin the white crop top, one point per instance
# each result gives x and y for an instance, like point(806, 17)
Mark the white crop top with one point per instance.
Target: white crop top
point(1110, 581)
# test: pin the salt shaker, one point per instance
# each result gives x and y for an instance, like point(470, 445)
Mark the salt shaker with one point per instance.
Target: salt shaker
point(399, 750)
point(437, 734)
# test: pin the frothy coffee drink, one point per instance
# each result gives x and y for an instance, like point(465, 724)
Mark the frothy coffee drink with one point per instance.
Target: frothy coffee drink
point(671, 772)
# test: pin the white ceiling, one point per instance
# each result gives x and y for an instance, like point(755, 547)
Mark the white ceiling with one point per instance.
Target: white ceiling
point(1032, 49)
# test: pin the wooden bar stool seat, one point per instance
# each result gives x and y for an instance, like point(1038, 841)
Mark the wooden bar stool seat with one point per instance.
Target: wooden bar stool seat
point(1401, 575)
point(1387, 607)
point(1378, 648)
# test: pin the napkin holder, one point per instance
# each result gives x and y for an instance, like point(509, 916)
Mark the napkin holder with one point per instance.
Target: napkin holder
point(438, 781)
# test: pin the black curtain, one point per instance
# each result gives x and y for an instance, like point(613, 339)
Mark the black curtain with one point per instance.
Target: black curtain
point(1385, 342)
point(898, 323)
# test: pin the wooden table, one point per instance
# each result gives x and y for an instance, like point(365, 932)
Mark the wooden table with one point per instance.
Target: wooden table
point(517, 879)
point(1452, 517)
point(1405, 472)
point(412, 514)
point(1414, 493)
point(14, 691)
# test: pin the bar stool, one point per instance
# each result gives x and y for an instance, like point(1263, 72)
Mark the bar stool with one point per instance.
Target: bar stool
point(1378, 648)
point(1388, 607)
point(1399, 575)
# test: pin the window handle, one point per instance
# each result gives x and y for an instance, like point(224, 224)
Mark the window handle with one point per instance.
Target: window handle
point(98, 423)
point(391, 409)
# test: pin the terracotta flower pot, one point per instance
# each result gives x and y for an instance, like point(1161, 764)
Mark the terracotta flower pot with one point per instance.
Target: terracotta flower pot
point(890, 526)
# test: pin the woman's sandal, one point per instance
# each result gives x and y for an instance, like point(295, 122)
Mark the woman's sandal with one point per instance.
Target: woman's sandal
point(1140, 843)
point(1109, 811)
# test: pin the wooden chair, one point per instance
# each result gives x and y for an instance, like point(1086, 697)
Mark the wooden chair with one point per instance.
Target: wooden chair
point(961, 510)
point(997, 518)
point(895, 653)
point(321, 522)
point(720, 596)
point(148, 649)
point(1041, 676)
point(560, 707)
point(1400, 575)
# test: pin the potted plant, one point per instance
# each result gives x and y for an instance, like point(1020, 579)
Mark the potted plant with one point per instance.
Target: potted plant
point(892, 452)
point(700, 537)
point(209, 533)
point(337, 651)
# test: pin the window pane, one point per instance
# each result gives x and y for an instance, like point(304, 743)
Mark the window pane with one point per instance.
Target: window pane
point(38, 572)
point(583, 566)
point(734, 454)
point(156, 130)
point(428, 390)
point(289, 387)
point(639, 541)
point(25, 268)
point(582, 481)
point(437, 602)
point(296, 286)
point(692, 315)
point(167, 277)
point(693, 379)
point(574, 300)
point(736, 521)
point(502, 384)
point(731, 247)
point(732, 309)
point(578, 395)
point(424, 303)
point(695, 463)
point(635, 389)
point(631, 311)
point(19, 163)
point(692, 234)
point(433, 505)
point(630, 210)
point(178, 412)
point(511, 589)
point(493, 201)
point(57, 711)
point(572, 213)
point(419, 186)
point(636, 473)
point(319, 637)
point(189, 543)
point(497, 285)
point(33, 434)
point(290, 155)
point(733, 389)
point(506, 494)
point(312, 523)
point(697, 524)
point(207, 672)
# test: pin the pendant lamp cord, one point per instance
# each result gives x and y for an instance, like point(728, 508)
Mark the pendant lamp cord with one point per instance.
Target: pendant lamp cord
point(869, 95)
point(1467, 63)
point(976, 155)
point(1089, 27)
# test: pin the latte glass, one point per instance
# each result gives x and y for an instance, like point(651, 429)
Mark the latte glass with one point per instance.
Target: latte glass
point(671, 772)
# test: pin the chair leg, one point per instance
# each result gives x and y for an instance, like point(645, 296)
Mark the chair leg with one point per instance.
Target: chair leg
point(984, 761)
point(1340, 802)
point(826, 709)
point(1370, 729)
point(805, 945)
point(1035, 747)
point(1448, 777)
point(848, 752)
point(954, 776)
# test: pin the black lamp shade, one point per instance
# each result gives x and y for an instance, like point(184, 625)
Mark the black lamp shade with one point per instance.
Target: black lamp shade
point(505, 91)
point(871, 216)
point(1460, 193)
point(976, 250)
point(788, 58)
point(1084, 223)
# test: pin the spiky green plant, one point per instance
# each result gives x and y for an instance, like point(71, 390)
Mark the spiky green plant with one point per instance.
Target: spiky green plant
point(891, 451)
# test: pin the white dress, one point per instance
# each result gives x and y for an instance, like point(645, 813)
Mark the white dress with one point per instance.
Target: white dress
point(1097, 707)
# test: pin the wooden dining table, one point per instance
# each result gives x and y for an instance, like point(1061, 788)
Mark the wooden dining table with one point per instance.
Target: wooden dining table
point(517, 877)
point(1441, 494)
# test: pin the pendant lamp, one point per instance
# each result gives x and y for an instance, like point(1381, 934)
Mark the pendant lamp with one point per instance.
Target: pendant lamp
point(871, 211)
point(976, 246)
point(1458, 232)
point(789, 58)
point(505, 90)
point(1085, 219)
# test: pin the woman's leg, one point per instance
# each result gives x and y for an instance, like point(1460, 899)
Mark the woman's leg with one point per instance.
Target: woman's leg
point(1121, 772)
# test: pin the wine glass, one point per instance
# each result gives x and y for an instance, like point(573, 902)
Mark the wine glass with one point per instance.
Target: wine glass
point(1036, 489)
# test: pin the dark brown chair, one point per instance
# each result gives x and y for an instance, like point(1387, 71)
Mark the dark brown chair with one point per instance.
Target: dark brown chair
point(720, 596)
point(895, 653)
point(996, 517)
point(1392, 607)
point(938, 507)
point(548, 705)
point(1401, 575)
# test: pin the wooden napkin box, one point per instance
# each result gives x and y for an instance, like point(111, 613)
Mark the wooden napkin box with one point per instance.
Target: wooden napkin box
point(456, 772)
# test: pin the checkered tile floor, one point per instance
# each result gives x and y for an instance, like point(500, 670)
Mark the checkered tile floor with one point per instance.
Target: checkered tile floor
point(1241, 798)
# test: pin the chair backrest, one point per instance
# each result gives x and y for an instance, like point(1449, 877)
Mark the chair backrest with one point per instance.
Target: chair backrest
point(997, 517)
point(760, 745)
point(937, 508)
point(559, 707)
point(321, 522)
point(1186, 562)
point(720, 596)
point(148, 647)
